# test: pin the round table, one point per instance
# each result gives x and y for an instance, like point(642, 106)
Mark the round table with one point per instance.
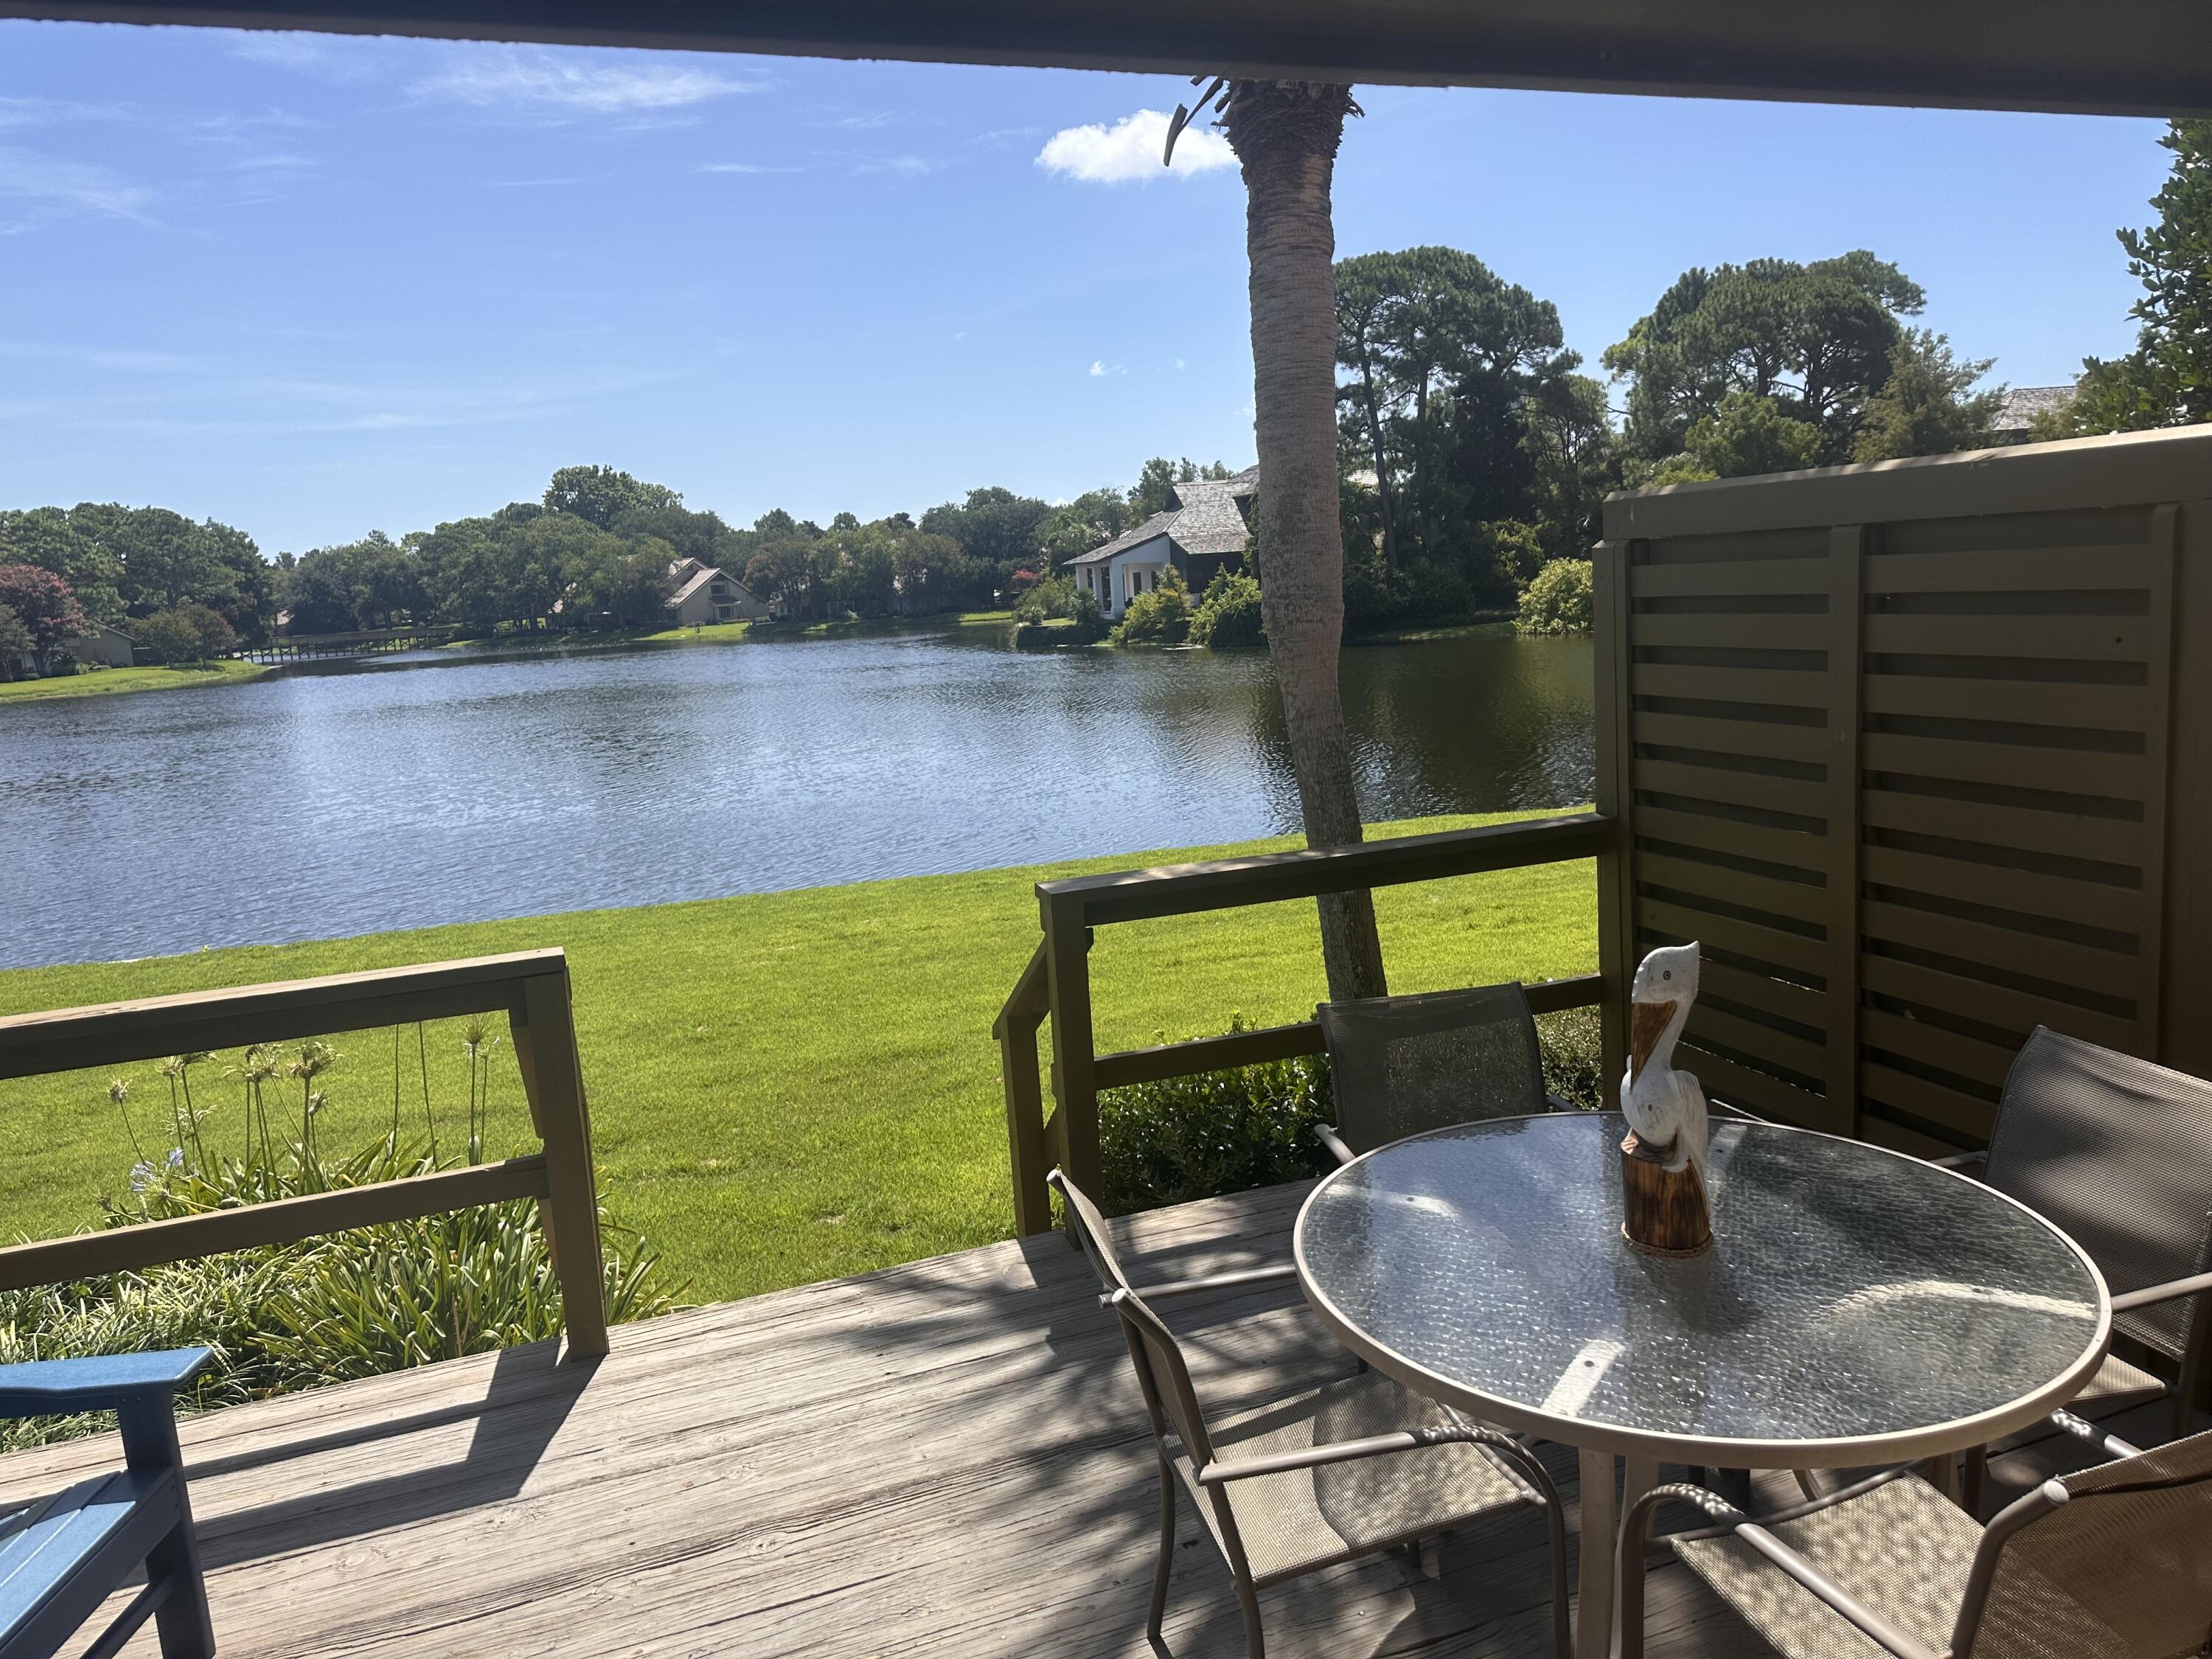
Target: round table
point(1858, 1307)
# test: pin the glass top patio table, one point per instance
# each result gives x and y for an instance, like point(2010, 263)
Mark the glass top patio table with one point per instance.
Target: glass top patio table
point(1858, 1306)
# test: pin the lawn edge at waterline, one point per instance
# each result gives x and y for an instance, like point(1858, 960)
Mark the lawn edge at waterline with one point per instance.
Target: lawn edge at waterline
point(118, 682)
point(790, 1086)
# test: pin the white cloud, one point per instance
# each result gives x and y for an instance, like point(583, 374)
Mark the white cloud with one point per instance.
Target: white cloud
point(51, 185)
point(1098, 369)
point(906, 166)
point(1130, 149)
point(506, 78)
point(309, 54)
point(741, 167)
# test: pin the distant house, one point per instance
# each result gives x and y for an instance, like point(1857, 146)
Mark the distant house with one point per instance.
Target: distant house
point(1207, 529)
point(2021, 404)
point(105, 647)
point(699, 594)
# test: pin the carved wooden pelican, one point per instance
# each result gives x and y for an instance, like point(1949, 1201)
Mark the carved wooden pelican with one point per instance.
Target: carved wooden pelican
point(1662, 1163)
point(1665, 1107)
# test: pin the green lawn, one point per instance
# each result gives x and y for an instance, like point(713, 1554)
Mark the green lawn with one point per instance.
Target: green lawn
point(788, 1086)
point(102, 682)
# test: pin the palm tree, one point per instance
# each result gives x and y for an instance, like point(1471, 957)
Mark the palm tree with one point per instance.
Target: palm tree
point(1285, 133)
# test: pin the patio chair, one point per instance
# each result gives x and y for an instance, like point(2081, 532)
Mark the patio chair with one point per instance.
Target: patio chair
point(59, 1560)
point(2118, 1152)
point(2114, 1562)
point(1351, 1468)
point(1398, 1065)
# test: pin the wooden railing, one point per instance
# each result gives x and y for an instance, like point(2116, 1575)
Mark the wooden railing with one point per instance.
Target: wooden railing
point(531, 987)
point(1056, 983)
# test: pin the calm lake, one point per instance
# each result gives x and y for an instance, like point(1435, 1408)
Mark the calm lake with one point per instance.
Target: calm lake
point(351, 798)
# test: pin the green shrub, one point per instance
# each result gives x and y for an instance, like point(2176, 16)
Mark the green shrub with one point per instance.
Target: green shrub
point(1558, 600)
point(191, 633)
point(1053, 598)
point(329, 1309)
point(1219, 1131)
point(1574, 1057)
point(1090, 621)
point(1228, 613)
point(1188, 1138)
point(1159, 615)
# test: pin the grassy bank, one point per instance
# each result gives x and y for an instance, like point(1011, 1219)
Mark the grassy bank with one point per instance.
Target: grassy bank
point(103, 682)
point(787, 1086)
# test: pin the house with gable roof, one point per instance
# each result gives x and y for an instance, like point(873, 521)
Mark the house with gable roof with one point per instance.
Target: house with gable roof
point(699, 593)
point(1208, 528)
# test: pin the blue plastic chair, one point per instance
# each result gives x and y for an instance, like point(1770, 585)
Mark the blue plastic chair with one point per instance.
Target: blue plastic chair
point(61, 1558)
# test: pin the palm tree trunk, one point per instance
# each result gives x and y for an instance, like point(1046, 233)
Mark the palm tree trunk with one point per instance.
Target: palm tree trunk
point(1285, 136)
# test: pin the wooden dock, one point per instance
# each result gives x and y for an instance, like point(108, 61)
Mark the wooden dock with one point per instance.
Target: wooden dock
point(948, 1458)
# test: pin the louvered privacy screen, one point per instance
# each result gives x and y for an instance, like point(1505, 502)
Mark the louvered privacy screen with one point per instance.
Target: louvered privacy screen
point(1905, 747)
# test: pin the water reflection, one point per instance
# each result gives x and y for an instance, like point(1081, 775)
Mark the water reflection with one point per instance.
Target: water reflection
point(353, 797)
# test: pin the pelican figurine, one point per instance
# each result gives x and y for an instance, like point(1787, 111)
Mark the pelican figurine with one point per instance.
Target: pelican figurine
point(1665, 1107)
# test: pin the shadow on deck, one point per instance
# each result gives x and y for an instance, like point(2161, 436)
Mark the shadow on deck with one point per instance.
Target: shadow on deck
point(945, 1458)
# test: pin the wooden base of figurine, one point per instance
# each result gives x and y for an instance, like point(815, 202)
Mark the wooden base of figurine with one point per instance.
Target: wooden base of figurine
point(1663, 1211)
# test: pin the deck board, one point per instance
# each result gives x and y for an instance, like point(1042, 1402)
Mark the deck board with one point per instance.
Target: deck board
point(948, 1458)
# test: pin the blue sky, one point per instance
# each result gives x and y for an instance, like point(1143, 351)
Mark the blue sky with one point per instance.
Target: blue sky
point(317, 285)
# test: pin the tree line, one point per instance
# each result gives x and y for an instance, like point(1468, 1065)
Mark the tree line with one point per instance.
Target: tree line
point(593, 552)
point(1472, 450)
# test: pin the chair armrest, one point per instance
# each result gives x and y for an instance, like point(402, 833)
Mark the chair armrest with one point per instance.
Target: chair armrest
point(1635, 1528)
point(1727, 1113)
point(40, 1388)
point(1224, 1470)
point(1212, 1282)
point(2169, 1292)
point(1329, 1138)
point(1558, 1103)
point(1961, 1160)
point(2111, 1444)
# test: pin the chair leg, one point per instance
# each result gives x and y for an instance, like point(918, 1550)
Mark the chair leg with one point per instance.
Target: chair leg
point(1973, 1480)
point(1167, 1551)
point(182, 1620)
point(1563, 1634)
point(1255, 1645)
point(149, 1429)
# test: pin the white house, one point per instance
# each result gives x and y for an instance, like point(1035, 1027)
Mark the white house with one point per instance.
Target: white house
point(1205, 530)
point(699, 594)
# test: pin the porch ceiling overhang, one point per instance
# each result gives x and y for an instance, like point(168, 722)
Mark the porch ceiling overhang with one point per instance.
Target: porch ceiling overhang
point(2120, 56)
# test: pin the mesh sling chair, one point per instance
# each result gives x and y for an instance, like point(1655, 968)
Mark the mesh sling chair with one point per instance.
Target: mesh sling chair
point(1351, 1468)
point(2118, 1152)
point(1398, 1065)
point(2114, 1562)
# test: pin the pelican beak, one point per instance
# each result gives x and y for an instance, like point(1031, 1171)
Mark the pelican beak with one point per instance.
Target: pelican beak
point(1647, 1024)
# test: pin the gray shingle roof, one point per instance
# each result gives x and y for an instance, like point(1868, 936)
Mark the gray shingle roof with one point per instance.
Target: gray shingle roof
point(1204, 519)
point(706, 573)
point(2023, 403)
point(1159, 524)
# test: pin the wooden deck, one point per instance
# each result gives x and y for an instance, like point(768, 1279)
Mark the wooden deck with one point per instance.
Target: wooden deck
point(946, 1458)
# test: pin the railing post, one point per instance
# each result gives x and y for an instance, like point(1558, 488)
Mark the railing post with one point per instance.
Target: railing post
point(1016, 1032)
point(544, 1035)
point(1616, 892)
point(1074, 1078)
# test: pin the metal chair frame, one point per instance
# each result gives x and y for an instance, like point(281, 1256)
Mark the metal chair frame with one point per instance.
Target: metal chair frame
point(1170, 1401)
point(1635, 1542)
